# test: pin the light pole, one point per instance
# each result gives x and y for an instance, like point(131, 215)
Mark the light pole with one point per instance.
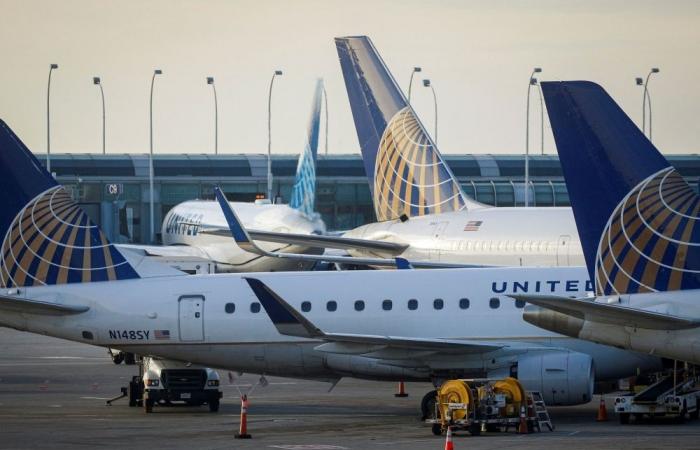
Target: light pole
point(539, 90)
point(97, 81)
point(210, 80)
point(325, 105)
point(646, 99)
point(269, 135)
point(531, 81)
point(410, 83)
point(427, 83)
point(48, 119)
point(150, 159)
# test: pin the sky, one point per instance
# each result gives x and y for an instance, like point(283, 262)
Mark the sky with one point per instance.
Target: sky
point(478, 55)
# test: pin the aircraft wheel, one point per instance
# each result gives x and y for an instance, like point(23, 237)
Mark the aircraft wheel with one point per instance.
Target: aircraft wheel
point(427, 405)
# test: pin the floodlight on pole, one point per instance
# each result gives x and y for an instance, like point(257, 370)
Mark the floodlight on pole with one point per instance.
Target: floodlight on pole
point(325, 106)
point(527, 135)
point(427, 83)
point(646, 99)
point(269, 134)
point(98, 82)
point(48, 119)
point(410, 83)
point(150, 160)
point(210, 80)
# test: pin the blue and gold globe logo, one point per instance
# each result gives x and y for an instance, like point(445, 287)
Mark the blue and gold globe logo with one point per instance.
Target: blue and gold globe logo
point(410, 176)
point(650, 242)
point(52, 241)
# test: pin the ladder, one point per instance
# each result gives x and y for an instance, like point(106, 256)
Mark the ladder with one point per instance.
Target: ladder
point(541, 412)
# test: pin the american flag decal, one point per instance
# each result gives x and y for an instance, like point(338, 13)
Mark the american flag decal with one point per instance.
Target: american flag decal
point(161, 334)
point(473, 225)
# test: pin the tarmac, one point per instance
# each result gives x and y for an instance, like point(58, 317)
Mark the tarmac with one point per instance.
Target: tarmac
point(53, 393)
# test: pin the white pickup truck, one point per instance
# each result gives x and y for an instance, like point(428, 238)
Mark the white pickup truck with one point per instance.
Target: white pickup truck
point(167, 381)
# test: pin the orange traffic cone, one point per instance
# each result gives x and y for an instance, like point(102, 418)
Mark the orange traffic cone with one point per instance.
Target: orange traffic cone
point(243, 430)
point(402, 390)
point(602, 411)
point(522, 429)
point(448, 440)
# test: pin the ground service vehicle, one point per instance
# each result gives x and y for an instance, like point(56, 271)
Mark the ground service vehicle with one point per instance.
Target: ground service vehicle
point(668, 397)
point(478, 405)
point(166, 381)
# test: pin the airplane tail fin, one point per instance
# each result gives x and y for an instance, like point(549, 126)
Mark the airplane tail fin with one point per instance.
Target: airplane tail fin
point(407, 174)
point(47, 238)
point(304, 190)
point(636, 216)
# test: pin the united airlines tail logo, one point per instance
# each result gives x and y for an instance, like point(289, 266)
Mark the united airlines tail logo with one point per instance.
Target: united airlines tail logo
point(52, 241)
point(410, 176)
point(649, 243)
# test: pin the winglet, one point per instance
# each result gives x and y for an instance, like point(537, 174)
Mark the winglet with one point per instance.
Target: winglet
point(403, 264)
point(239, 233)
point(287, 320)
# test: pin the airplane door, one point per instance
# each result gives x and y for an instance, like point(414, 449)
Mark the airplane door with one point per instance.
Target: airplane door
point(191, 318)
point(563, 245)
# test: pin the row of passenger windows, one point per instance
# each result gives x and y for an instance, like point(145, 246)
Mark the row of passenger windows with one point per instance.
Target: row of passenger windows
point(387, 305)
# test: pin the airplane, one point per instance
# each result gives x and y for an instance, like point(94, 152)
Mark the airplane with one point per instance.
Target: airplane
point(189, 229)
point(60, 276)
point(418, 201)
point(637, 219)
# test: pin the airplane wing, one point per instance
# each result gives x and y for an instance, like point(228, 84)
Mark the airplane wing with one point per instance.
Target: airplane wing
point(22, 305)
point(243, 239)
point(290, 322)
point(317, 241)
point(610, 313)
point(170, 251)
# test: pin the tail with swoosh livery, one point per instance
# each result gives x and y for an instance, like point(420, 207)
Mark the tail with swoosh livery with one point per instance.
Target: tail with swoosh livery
point(407, 174)
point(636, 216)
point(47, 238)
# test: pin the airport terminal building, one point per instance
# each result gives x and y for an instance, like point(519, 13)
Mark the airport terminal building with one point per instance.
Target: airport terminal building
point(114, 189)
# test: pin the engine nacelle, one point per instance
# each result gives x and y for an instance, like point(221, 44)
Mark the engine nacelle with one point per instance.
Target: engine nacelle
point(562, 377)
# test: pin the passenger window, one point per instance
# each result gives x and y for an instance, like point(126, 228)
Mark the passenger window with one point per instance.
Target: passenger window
point(359, 305)
point(413, 304)
point(520, 303)
point(331, 306)
point(305, 306)
point(386, 305)
point(255, 307)
point(230, 308)
point(494, 303)
point(438, 303)
point(463, 303)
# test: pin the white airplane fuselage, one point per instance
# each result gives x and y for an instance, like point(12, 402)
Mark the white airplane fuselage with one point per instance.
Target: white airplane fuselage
point(489, 236)
point(190, 318)
point(183, 226)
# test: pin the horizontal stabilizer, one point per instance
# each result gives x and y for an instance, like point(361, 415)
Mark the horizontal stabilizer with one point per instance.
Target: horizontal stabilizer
point(610, 313)
point(291, 322)
point(22, 305)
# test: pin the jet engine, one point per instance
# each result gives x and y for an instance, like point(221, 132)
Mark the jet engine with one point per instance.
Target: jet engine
point(562, 377)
